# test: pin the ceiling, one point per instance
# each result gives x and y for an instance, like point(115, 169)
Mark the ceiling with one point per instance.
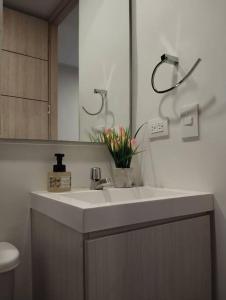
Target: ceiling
point(39, 8)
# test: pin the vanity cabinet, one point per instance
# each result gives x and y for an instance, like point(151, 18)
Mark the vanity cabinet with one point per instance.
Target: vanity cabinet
point(167, 260)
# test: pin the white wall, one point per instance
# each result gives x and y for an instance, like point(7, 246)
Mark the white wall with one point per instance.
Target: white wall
point(189, 29)
point(104, 62)
point(24, 168)
point(68, 103)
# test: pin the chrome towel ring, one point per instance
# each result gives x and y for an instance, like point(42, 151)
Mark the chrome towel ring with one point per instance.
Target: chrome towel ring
point(165, 58)
point(103, 94)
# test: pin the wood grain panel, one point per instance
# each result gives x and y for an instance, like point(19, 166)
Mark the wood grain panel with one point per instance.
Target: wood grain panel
point(57, 256)
point(23, 76)
point(1, 26)
point(23, 119)
point(164, 262)
point(53, 81)
point(25, 34)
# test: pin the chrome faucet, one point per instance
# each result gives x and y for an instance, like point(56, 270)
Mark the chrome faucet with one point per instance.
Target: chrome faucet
point(98, 183)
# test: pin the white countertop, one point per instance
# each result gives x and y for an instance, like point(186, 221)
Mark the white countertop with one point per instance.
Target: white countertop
point(89, 211)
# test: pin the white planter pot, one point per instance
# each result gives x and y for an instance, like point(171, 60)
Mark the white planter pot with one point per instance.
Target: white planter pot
point(123, 178)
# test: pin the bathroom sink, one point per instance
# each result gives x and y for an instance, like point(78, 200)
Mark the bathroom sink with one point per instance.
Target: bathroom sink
point(89, 211)
point(111, 196)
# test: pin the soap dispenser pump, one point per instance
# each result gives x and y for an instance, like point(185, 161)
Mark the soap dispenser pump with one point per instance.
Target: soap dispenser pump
point(59, 180)
point(59, 167)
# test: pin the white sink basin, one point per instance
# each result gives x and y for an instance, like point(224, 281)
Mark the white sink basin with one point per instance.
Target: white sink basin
point(117, 196)
point(89, 211)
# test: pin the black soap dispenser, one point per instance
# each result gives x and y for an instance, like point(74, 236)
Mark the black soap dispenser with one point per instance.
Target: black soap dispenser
point(59, 180)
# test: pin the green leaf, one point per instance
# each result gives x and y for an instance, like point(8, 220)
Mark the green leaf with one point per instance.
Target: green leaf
point(138, 130)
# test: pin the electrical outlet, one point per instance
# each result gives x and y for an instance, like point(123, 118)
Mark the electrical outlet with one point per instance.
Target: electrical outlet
point(154, 128)
point(158, 128)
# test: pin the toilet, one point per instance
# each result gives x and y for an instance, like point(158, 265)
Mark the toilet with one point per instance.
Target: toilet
point(9, 260)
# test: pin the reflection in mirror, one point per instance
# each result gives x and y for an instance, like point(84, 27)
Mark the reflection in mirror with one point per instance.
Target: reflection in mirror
point(65, 68)
point(68, 77)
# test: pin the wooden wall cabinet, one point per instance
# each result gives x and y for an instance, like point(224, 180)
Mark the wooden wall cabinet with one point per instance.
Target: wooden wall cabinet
point(24, 85)
point(168, 261)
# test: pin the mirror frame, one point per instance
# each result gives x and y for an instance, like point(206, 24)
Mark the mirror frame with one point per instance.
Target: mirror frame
point(55, 19)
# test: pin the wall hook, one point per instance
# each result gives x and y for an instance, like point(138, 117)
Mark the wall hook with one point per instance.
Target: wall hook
point(165, 58)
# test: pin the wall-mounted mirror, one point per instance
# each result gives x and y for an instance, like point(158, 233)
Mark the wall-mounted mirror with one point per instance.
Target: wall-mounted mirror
point(65, 68)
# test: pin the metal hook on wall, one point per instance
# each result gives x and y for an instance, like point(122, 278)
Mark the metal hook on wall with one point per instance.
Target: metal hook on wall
point(165, 58)
point(103, 94)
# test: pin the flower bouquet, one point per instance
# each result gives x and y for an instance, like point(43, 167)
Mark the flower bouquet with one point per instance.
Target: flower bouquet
point(122, 147)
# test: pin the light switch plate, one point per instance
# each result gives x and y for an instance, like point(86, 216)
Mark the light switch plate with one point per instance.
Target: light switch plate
point(158, 128)
point(190, 122)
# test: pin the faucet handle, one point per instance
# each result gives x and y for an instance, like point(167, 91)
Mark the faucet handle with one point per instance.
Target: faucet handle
point(95, 174)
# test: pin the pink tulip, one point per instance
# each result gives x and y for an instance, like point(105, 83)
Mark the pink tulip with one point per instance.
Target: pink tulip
point(107, 130)
point(122, 131)
point(133, 142)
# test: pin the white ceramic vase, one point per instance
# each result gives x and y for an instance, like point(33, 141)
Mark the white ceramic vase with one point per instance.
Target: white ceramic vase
point(123, 178)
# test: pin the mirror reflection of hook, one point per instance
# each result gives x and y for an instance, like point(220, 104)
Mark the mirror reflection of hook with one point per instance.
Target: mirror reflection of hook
point(103, 94)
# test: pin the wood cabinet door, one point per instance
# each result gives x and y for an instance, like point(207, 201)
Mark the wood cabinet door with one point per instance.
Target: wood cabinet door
point(25, 34)
point(164, 262)
point(57, 260)
point(23, 77)
point(23, 119)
